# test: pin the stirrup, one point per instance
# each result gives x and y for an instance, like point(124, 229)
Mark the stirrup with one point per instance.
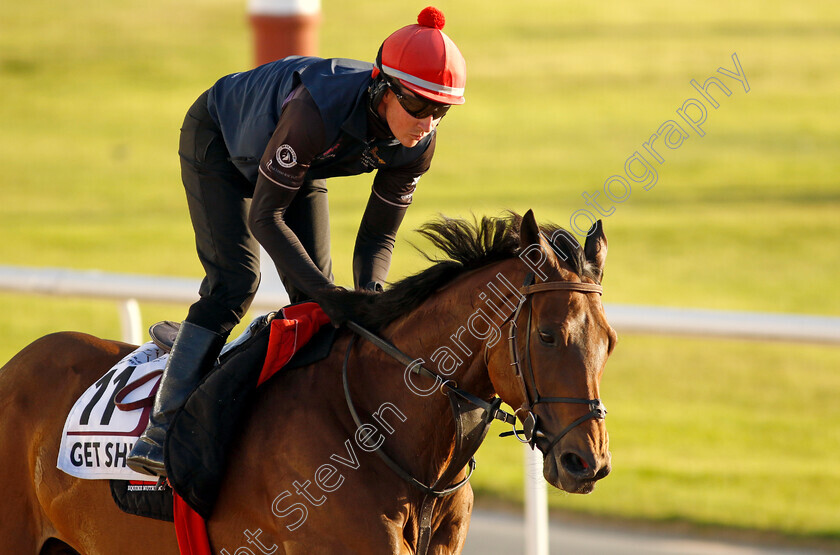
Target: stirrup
point(144, 460)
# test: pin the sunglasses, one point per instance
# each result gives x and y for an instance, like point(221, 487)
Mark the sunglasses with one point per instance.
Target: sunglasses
point(417, 107)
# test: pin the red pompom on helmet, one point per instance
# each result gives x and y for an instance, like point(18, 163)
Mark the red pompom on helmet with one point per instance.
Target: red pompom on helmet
point(425, 60)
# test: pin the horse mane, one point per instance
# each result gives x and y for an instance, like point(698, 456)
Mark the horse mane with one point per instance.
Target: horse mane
point(467, 246)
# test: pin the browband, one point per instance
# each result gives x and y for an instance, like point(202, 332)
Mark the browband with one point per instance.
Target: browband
point(562, 286)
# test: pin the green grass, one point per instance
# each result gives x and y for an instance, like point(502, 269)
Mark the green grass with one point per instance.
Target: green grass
point(716, 433)
point(559, 95)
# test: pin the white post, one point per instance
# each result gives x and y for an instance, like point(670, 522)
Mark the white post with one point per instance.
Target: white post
point(130, 321)
point(536, 504)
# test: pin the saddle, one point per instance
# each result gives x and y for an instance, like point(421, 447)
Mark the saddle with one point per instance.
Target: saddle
point(164, 334)
point(196, 446)
point(197, 442)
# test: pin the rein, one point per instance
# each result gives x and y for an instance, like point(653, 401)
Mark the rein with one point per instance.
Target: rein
point(392, 351)
point(531, 426)
point(492, 408)
point(491, 412)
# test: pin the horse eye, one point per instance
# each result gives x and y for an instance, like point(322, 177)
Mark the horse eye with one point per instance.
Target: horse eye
point(546, 337)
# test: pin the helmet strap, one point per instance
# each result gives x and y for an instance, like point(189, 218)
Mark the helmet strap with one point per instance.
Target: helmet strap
point(376, 91)
point(378, 87)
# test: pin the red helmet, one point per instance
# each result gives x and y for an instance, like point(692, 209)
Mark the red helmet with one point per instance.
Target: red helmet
point(424, 60)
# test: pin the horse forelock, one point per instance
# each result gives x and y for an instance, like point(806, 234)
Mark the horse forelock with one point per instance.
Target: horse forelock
point(467, 246)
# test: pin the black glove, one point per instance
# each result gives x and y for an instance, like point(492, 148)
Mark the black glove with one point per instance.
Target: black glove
point(335, 303)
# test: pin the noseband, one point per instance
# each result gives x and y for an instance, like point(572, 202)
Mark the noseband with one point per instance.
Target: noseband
point(532, 431)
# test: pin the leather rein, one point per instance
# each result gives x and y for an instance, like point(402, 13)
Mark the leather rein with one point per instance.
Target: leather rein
point(531, 426)
point(492, 407)
point(430, 492)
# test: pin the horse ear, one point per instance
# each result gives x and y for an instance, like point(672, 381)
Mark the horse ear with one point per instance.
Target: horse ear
point(529, 231)
point(595, 247)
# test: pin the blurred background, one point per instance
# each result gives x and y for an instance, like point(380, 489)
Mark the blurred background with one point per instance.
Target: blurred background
point(722, 433)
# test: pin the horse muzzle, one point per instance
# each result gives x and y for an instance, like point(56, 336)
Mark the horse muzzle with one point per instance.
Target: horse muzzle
point(576, 471)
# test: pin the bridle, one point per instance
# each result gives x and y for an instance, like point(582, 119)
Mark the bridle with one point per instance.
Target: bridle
point(525, 372)
point(531, 431)
point(491, 409)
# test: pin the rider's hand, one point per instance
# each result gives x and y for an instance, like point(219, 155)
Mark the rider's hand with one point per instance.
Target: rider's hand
point(336, 308)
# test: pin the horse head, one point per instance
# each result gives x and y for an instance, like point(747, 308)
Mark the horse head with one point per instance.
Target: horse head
point(549, 370)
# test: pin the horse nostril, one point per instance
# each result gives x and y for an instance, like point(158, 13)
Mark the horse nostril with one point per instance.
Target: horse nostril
point(603, 473)
point(574, 464)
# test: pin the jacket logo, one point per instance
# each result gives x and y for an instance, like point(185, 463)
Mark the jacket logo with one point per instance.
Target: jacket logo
point(286, 156)
point(371, 158)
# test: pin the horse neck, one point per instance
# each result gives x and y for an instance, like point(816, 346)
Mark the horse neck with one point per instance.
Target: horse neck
point(451, 328)
point(447, 334)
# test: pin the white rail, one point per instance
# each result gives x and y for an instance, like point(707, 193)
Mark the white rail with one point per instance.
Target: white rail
point(127, 290)
point(760, 326)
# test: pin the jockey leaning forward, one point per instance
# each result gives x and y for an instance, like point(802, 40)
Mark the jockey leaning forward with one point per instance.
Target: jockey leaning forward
point(255, 151)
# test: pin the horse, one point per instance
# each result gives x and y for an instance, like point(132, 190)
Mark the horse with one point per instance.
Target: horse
point(308, 473)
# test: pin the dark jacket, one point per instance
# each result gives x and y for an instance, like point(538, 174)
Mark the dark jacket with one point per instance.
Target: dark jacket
point(246, 106)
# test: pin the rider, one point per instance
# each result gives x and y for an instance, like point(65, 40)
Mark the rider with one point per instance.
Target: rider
point(255, 151)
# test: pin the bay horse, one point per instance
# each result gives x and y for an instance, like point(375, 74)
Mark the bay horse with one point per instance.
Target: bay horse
point(303, 477)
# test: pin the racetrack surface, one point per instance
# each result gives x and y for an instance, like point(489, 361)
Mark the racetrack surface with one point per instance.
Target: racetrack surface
point(500, 533)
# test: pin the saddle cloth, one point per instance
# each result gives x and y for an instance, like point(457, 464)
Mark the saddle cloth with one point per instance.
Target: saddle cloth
point(104, 423)
point(107, 419)
point(97, 435)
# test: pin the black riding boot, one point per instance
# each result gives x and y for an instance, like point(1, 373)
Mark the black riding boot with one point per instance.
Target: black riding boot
point(192, 356)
